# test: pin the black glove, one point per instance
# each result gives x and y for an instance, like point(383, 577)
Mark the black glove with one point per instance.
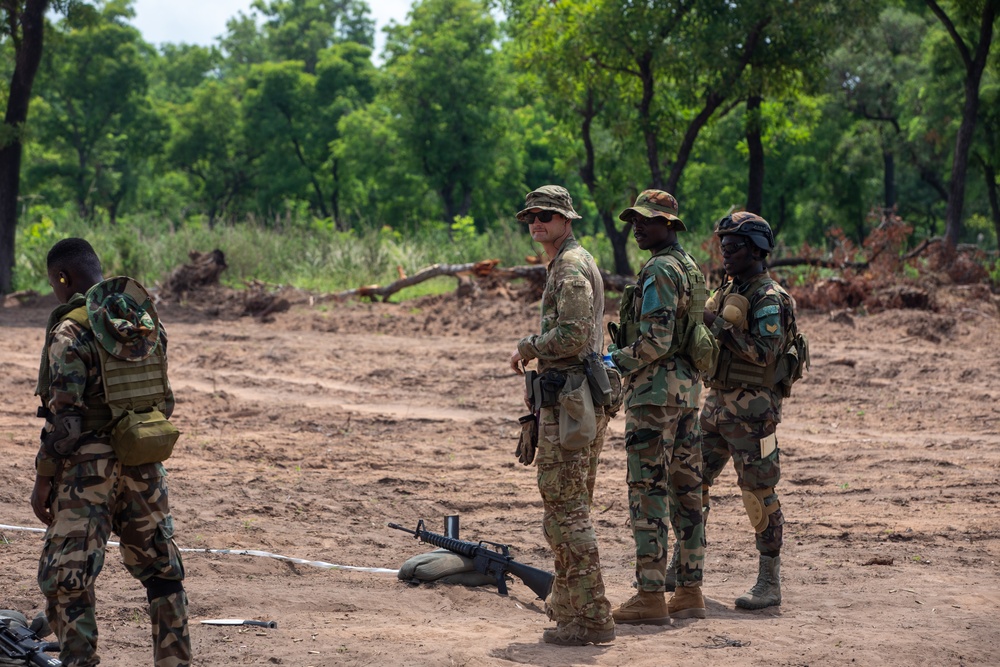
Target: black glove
point(528, 441)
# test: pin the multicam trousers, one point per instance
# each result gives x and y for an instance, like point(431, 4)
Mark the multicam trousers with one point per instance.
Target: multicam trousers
point(741, 441)
point(663, 447)
point(90, 500)
point(566, 481)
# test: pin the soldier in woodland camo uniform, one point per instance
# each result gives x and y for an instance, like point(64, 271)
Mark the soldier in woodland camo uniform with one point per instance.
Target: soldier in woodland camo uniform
point(662, 439)
point(753, 319)
point(572, 327)
point(83, 493)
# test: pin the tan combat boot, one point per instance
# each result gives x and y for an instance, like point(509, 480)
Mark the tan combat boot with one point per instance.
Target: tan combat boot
point(574, 633)
point(767, 591)
point(647, 607)
point(687, 602)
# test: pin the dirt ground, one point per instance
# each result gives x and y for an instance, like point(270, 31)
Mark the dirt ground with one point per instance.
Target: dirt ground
point(305, 435)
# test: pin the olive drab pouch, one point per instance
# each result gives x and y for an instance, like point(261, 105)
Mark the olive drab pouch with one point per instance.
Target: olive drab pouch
point(577, 419)
point(793, 364)
point(527, 441)
point(697, 341)
point(597, 376)
point(143, 436)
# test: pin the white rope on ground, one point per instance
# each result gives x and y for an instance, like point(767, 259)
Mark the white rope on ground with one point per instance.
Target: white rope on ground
point(248, 552)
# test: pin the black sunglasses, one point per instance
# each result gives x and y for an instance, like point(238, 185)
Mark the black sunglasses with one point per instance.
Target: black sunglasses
point(732, 248)
point(543, 216)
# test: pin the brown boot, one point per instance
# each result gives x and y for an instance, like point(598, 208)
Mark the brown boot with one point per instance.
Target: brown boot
point(647, 607)
point(573, 633)
point(687, 602)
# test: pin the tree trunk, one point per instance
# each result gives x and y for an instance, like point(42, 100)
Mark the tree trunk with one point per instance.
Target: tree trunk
point(588, 175)
point(648, 129)
point(755, 158)
point(975, 63)
point(889, 178)
point(992, 193)
point(27, 56)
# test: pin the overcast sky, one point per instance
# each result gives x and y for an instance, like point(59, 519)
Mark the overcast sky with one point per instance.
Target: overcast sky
point(202, 21)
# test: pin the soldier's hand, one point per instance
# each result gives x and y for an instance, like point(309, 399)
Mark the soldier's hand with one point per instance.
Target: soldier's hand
point(40, 496)
point(709, 317)
point(515, 363)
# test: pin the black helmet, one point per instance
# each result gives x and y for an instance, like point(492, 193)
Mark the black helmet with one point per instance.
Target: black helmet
point(749, 225)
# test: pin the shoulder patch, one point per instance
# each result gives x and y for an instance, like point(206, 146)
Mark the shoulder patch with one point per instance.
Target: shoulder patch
point(650, 298)
point(767, 310)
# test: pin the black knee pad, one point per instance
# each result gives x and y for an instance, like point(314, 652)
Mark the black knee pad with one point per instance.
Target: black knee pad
point(161, 588)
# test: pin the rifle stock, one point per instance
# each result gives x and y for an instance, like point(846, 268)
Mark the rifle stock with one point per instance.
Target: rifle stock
point(493, 560)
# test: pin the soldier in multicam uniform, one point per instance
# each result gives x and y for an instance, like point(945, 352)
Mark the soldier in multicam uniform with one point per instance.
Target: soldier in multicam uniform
point(83, 493)
point(753, 318)
point(662, 439)
point(572, 328)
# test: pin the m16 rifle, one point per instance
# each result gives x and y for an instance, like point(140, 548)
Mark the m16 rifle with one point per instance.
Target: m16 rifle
point(489, 558)
point(19, 643)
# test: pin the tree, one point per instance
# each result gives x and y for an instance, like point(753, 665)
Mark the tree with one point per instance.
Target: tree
point(448, 91)
point(22, 22)
point(976, 17)
point(301, 29)
point(95, 112)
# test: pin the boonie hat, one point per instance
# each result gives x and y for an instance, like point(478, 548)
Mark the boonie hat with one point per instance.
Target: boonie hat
point(123, 318)
point(550, 198)
point(750, 225)
point(655, 204)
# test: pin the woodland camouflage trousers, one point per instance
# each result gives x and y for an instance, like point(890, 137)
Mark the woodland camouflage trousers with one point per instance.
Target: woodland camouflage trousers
point(566, 482)
point(740, 441)
point(663, 447)
point(90, 500)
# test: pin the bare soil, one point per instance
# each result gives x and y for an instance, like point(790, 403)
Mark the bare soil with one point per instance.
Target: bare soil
point(306, 434)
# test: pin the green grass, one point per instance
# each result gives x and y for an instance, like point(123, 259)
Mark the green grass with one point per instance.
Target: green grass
point(309, 256)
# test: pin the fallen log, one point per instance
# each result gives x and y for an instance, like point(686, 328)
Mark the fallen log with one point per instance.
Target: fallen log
point(484, 269)
point(204, 269)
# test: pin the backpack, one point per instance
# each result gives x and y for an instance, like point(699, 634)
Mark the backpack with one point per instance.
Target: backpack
point(696, 341)
point(133, 370)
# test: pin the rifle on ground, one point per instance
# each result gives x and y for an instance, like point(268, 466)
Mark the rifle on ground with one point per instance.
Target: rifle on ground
point(20, 643)
point(493, 560)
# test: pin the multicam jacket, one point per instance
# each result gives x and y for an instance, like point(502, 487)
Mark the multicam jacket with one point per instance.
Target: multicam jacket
point(572, 311)
point(663, 296)
point(761, 343)
point(70, 381)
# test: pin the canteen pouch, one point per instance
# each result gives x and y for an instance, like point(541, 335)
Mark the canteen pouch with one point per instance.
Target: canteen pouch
point(577, 420)
point(143, 436)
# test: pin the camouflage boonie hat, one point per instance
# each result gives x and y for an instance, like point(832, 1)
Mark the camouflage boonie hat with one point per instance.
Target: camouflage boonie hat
point(750, 225)
point(123, 318)
point(655, 204)
point(550, 198)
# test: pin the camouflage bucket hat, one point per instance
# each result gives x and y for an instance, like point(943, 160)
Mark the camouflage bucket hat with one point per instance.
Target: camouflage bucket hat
point(123, 318)
point(550, 198)
point(655, 204)
point(750, 225)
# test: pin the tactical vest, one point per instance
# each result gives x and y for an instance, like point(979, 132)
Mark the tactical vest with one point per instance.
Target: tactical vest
point(732, 371)
point(128, 385)
point(684, 338)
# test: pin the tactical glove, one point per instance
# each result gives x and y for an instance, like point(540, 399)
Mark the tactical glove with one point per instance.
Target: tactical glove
point(528, 441)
